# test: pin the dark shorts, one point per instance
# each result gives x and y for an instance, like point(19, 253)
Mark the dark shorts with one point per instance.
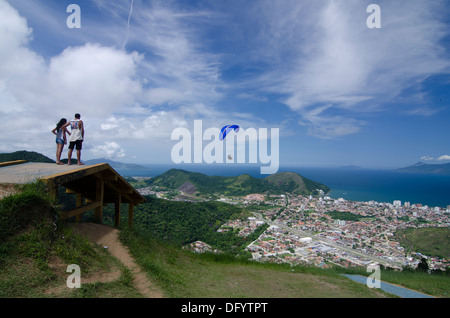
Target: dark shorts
point(77, 143)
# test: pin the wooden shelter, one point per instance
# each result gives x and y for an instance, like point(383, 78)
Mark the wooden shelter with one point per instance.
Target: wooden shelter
point(94, 186)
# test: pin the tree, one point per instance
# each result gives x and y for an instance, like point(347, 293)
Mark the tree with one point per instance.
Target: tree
point(423, 265)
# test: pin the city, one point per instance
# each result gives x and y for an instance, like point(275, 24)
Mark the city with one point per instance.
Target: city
point(307, 230)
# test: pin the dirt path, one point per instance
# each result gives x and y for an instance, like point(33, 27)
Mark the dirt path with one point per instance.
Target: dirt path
point(104, 235)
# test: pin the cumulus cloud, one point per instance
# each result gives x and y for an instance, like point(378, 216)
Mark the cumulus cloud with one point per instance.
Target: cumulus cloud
point(109, 150)
point(426, 158)
point(115, 91)
point(93, 79)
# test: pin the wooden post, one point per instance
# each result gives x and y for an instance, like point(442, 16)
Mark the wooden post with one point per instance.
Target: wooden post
point(99, 192)
point(117, 205)
point(130, 215)
point(53, 189)
point(79, 202)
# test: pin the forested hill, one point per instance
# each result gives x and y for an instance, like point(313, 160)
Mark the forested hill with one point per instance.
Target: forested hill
point(30, 156)
point(278, 183)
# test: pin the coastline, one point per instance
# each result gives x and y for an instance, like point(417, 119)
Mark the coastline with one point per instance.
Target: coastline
point(381, 185)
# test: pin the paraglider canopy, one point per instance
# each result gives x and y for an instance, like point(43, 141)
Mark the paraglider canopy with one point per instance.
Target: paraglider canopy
point(226, 129)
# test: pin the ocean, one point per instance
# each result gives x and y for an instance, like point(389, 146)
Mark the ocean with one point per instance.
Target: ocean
point(354, 184)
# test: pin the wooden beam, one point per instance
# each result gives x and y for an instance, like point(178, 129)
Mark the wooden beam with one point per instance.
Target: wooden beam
point(52, 188)
point(11, 163)
point(79, 203)
point(70, 191)
point(66, 177)
point(117, 205)
point(107, 175)
point(99, 193)
point(81, 209)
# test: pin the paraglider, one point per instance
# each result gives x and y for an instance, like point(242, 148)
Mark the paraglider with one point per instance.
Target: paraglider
point(226, 129)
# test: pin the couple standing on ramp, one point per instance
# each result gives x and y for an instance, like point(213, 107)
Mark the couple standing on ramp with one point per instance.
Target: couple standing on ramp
point(75, 140)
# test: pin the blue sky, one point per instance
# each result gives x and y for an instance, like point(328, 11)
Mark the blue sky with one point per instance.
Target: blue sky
point(340, 92)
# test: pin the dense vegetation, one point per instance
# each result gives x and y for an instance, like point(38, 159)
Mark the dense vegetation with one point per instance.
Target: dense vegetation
point(278, 183)
point(30, 156)
point(180, 223)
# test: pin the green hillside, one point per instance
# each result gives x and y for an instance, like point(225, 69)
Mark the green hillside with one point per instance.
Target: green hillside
point(180, 223)
point(430, 241)
point(30, 156)
point(36, 248)
point(240, 185)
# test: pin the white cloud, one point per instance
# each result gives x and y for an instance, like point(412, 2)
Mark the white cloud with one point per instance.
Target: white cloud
point(93, 80)
point(114, 90)
point(426, 158)
point(109, 150)
point(335, 60)
point(444, 157)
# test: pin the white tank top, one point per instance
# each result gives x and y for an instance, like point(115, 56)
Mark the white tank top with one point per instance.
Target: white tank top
point(75, 130)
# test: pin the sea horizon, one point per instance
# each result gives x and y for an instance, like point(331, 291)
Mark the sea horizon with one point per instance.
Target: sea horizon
point(350, 183)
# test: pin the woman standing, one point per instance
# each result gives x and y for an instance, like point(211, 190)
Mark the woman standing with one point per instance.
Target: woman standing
point(60, 139)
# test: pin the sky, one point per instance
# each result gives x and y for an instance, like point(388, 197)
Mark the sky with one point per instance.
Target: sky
point(340, 93)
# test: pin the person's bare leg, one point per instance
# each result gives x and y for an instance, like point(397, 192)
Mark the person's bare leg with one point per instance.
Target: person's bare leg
point(69, 157)
point(59, 150)
point(79, 158)
point(58, 153)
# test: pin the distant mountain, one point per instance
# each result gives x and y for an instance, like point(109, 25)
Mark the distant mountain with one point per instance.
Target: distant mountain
point(115, 164)
point(32, 156)
point(420, 167)
point(240, 185)
point(29, 156)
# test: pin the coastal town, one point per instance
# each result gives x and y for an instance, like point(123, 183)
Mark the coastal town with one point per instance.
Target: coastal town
point(323, 231)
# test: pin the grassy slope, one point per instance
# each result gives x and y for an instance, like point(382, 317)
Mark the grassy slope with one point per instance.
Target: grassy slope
point(431, 241)
point(34, 254)
point(182, 274)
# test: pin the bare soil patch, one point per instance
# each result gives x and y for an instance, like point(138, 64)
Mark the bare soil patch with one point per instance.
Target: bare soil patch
point(107, 237)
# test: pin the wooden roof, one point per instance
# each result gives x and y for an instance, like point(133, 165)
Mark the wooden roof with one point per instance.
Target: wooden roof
point(84, 180)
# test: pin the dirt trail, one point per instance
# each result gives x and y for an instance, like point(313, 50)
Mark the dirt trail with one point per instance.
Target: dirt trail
point(104, 235)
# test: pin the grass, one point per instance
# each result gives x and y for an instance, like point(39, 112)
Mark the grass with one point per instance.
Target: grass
point(182, 274)
point(431, 241)
point(436, 284)
point(36, 248)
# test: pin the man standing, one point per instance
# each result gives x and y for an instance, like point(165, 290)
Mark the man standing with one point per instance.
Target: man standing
point(76, 138)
